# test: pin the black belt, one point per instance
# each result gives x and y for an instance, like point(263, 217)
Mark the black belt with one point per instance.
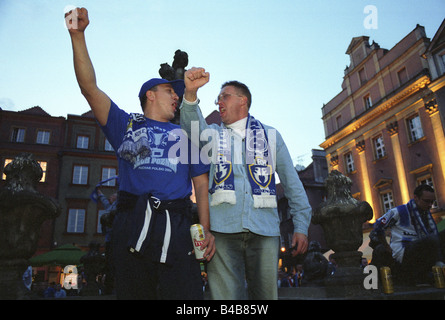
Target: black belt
point(158, 204)
point(127, 201)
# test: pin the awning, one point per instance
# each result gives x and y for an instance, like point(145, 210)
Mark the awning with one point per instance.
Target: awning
point(63, 255)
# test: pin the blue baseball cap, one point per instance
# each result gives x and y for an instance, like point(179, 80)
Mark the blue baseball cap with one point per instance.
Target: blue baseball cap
point(178, 86)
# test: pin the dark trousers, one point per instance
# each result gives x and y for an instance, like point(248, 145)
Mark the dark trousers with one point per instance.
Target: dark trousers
point(421, 255)
point(139, 276)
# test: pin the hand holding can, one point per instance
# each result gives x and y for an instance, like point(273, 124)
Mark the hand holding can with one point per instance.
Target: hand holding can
point(198, 237)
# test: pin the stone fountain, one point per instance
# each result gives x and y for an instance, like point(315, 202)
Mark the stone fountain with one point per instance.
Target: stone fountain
point(342, 218)
point(22, 213)
point(175, 72)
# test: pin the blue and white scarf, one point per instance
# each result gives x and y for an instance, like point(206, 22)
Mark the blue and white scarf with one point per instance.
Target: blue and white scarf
point(135, 142)
point(421, 228)
point(259, 164)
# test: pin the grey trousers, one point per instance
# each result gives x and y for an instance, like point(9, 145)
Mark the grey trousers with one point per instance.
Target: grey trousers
point(245, 266)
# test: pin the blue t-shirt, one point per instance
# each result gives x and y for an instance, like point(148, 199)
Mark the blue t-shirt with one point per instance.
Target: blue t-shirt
point(166, 173)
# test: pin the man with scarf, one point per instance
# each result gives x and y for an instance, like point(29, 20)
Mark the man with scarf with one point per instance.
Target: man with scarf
point(416, 244)
point(151, 241)
point(244, 154)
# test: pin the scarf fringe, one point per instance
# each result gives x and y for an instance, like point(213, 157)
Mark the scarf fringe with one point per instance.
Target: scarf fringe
point(222, 196)
point(264, 201)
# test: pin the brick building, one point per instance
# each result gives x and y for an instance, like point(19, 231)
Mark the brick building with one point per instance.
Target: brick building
point(88, 159)
point(35, 131)
point(75, 157)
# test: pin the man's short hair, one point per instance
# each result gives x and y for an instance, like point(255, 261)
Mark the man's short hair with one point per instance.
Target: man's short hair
point(241, 87)
point(421, 188)
point(143, 98)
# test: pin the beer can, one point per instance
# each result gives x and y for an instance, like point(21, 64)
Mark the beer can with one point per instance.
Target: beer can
point(385, 273)
point(439, 281)
point(197, 233)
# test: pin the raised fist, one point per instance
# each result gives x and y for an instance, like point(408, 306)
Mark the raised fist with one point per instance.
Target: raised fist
point(195, 78)
point(77, 20)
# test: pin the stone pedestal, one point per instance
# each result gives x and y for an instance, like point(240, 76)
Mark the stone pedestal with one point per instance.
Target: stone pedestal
point(347, 281)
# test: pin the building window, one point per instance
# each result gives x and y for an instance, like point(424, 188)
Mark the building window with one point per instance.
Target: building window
point(415, 128)
point(43, 136)
point(402, 75)
point(349, 161)
point(338, 122)
point(441, 57)
point(80, 175)
point(387, 201)
point(82, 142)
point(108, 146)
point(367, 101)
point(18, 135)
point(76, 221)
point(107, 173)
point(379, 147)
point(425, 180)
point(362, 76)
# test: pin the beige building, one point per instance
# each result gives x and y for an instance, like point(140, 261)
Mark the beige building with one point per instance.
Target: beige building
point(384, 129)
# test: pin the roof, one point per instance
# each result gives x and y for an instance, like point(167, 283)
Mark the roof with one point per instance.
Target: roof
point(438, 38)
point(355, 41)
point(214, 117)
point(36, 111)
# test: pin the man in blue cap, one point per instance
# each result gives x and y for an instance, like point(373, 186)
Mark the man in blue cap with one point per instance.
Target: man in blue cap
point(152, 247)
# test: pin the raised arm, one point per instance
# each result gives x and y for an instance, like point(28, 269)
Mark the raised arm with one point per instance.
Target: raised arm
point(77, 21)
point(191, 119)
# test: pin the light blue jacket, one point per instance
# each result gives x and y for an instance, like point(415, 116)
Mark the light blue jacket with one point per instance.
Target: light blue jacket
point(229, 218)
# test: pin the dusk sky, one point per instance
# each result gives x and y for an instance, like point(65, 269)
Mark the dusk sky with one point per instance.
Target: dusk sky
point(290, 53)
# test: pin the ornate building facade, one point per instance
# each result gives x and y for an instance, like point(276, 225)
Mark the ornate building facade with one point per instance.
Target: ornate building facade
point(384, 129)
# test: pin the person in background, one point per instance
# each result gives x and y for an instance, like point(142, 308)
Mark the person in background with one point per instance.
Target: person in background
point(416, 244)
point(60, 292)
point(50, 290)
